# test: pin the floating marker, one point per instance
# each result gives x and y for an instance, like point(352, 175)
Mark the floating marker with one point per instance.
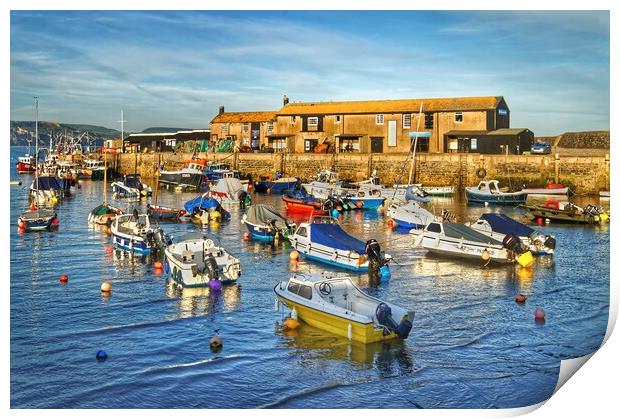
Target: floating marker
point(539, 314)
point(215, 285)
point(106, 287)
point(520, 298)
point(294, 255)
point(158, 265)
point(101, 355)
point(390, 223)
point(64, 278)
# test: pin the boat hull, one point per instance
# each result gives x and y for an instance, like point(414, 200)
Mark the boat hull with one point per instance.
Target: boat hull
point(164, 213)
point(495, 199)
point(301, 206)
point(25, 167)
point(181, 178)
point(366, 203)
point(131, 245)
point(466, 249)
point(562, 216)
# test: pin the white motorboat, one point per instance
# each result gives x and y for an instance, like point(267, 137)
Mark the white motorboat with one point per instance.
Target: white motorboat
point(335, 304)
point(133, 233)
point(195, 261)
point(131, 187)
point(410, 215)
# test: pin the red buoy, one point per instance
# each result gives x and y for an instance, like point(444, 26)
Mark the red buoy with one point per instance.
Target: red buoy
point(539, 314)
point(109, 249)
point(33, 207)
point(64, 278)
point(359, 204)
point(158, 265)
point(158, 271)
point(246, 236)
point(390, 223)
point(520, 298)
point(539, 221)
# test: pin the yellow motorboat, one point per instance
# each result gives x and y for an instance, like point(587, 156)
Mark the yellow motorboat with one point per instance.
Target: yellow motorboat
point(337, 305)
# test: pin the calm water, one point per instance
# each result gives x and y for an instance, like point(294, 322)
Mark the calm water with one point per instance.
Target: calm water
point(471, 344)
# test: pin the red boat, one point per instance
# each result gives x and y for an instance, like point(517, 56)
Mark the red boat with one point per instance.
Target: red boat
point(307, 205)
point(26, 164)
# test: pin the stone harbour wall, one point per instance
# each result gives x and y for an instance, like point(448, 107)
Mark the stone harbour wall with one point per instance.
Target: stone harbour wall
point(581, 174)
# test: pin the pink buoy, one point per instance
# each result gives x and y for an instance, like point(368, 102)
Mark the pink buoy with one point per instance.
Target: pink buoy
point(520, 299)
point(539, 314)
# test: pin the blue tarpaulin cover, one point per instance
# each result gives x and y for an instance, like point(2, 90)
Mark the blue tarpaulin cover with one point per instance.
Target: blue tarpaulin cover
point(333, 235)
point(46, 183)
point(133, 181)
point(204, 202)
point(504, 224)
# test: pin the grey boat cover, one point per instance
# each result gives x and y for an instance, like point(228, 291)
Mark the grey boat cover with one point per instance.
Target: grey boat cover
point(231, 186)
point(457, 231)
point(261, 215)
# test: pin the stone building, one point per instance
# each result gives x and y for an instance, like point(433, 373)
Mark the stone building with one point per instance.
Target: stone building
point(247, 130)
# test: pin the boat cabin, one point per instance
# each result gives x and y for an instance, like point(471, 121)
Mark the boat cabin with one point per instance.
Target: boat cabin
point(489, 186)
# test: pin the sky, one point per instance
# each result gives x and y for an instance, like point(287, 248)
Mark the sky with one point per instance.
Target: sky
point(175, 68)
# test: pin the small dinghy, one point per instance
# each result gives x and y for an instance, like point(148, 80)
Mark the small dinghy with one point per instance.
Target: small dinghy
point(567, 212)
point(497, 226)
point(366, 201)
point(455, 239)
point(300, 202)
point(131, 187)
point(410, 215)
point(103, 214)
point(335, 304)
point(265, 223)
point(195, 261)
point(37, 219)
point(157, 212)
point(550, 189)
point(204, 209)
point(488, 192)
point(325, 241)
point(133, 232)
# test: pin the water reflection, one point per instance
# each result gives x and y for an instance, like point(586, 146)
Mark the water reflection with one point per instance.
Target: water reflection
point(200, 301)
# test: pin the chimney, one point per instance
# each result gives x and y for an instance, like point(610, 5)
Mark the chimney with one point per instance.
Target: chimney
point(285, 101)
point(221, 109)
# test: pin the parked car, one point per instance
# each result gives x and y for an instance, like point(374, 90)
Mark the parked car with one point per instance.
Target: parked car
point(541, 148)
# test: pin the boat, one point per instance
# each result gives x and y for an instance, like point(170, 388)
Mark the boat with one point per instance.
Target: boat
point(365, 201)
point(160, 213)
point(410, 215)
point(204, 209)
point(131, 187)
point(299, 201)
point(195, 261)
point(459, 240)
point(46, 190)
point(497, 226)
point(134, 233)
point(438, 190)
point(103, 214)
point(335, 304)
point(16, 183)
point(265, 223)
point(229, 190)
point(277, 186)
point(488, 192)
point(190, 176)
point(567, 212)
point(324, 240)
point(93, 169)
point(26, 164)
point(604, 194)
point(217, 171)
point(550, 189)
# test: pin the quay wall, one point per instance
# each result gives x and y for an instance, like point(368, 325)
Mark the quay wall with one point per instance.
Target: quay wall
point(582, 174)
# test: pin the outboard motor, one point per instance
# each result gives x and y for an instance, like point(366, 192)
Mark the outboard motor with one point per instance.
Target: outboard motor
point(384, 318)
point(550, 242)
point(513, 243)
point(211, 267)
point(373, 253)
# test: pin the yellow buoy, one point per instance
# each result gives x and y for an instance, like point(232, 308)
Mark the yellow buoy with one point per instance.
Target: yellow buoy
point(485, 255)
point(106, 287)
point(294, 255)
point(291, 324)
point(526, 259)
point(604, 217)
point(215, 216)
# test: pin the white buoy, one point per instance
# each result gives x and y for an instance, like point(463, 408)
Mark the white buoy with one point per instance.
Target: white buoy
point(350, 331)
point(294, 314)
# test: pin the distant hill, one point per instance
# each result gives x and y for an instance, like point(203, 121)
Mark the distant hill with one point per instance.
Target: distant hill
point(585, 139)
point(21, 131)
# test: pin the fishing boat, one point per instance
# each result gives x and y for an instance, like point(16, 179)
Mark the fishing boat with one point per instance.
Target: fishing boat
point(459, 240)
point(299, 201)
point(265, 223)
point(567, 212)
point(134, 233)
point(323, 240)
point(488, 192)
point(335, 304)
point(277, 186)
point(195, 261)
point(497, 226)
point(131, 187)
point(217, 171)
point(26, 164)
point(410, 215)
point(93, 169)
point(366, 201)
point(229, 190)
point(190, 176)
point(550, 189)
point(204, 209)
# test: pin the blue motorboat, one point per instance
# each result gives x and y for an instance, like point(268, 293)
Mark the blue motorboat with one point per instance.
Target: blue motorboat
point(133, 233)
point(204, 208)
point(265, 223)
point(363, 201)
point(488, 192)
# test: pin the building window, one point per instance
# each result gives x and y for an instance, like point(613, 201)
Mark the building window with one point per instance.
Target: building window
point(313, 121)
point(428, 120)
point(379, 119)
point(473, 144)
point(225, 128)
point(270, 126)
point(406, 120)
point(458, 117)
point(337, 119)
point(292, 119)
point(246, 127)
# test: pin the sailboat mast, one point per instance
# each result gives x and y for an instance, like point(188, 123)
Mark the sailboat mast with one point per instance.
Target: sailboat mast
point(415, 144)
point(105, 174)
point(36, 143)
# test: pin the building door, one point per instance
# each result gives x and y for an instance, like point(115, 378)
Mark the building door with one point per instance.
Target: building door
point(309, 145)
point(376, 144)
point(255, 140)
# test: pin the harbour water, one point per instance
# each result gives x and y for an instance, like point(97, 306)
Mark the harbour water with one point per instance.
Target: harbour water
point(471, 345)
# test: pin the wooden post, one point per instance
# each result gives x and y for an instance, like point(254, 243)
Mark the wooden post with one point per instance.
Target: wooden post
point(557, 168)
point(607, 173)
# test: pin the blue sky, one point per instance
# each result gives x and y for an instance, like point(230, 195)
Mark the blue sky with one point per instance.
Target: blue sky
point(174, 69)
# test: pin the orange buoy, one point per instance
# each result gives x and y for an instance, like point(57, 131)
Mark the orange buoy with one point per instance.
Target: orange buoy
point(33, 207)
point(21, 230)
point(158, 265)
point(359, 204)
point(520, 298)
point(294, 255)
point(106, 287)
point(20, 223)
point(246, 236)
point(290, 324)
point(109, 249)
point(64, 278)
point(158, 271)
point(390, 223)
point(539, 314)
